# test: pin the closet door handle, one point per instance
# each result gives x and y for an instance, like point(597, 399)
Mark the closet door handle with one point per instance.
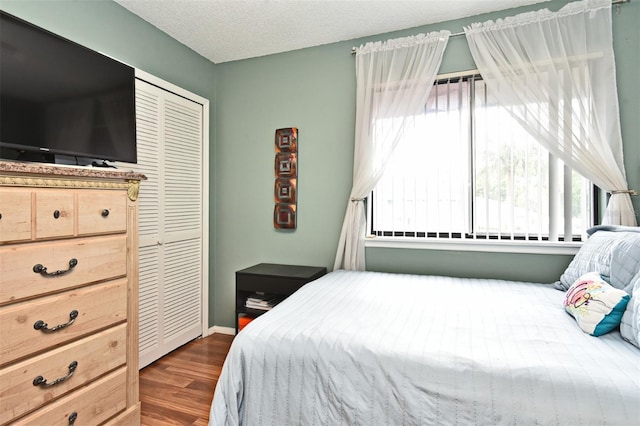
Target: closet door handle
point(44, 327)
point(42, 270)
point(41, 381)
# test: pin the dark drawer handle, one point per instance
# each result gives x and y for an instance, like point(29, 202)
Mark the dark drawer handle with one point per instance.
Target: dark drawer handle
point(44, 327)
point(41, 381)
point(56, 214)
point(72, 418)
point(42, 270)
point(105, 213)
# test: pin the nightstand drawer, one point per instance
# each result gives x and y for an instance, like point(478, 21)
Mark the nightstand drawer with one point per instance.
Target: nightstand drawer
point(102, 212)
point(272, 285)
point(96, 259)
point(93, 357)
point(275, 278)
point(15, 214)
point(97, 307)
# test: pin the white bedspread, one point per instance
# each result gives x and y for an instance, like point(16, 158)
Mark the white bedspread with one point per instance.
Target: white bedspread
point(366, 348)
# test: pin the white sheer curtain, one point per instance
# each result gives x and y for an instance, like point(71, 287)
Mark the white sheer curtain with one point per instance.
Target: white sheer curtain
point(555, 72)
point(394, 79)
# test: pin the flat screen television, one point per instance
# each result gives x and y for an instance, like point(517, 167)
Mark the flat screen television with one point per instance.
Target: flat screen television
point(60, 99)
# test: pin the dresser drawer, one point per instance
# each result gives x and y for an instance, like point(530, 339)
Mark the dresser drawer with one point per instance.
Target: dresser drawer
point(102, 212)
point(97, 306)
point(54, 214)
point(98, 259)
point(92, 405)
point(130, 417)
point(15, 211)
point(94, 356)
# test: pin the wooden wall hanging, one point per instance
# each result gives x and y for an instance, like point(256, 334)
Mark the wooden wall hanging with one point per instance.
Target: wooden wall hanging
point(286, 171)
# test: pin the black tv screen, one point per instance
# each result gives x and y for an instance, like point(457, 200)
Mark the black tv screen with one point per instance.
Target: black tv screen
point(58, 98)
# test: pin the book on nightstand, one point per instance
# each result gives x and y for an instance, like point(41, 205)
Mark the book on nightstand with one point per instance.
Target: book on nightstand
point(262, 301)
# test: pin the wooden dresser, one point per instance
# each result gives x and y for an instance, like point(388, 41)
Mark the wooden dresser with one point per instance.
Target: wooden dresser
point(68, 295)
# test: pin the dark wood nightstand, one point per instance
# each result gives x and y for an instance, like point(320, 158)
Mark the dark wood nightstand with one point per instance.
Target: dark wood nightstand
point(271, 280)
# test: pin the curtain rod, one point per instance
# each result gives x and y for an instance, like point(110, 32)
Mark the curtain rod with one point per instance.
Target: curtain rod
point(615, 2)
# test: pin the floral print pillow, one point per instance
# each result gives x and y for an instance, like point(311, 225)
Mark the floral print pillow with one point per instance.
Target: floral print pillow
point(596, 305)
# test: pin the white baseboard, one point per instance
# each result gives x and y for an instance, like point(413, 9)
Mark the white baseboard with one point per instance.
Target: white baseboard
point(222, 330)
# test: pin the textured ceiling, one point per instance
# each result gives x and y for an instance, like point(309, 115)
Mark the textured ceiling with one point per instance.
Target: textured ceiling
point(229, 30)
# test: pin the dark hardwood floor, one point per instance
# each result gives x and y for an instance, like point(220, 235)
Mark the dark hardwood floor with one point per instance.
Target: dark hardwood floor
point(178, 388)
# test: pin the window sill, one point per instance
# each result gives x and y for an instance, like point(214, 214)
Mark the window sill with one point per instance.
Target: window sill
point(528, 247)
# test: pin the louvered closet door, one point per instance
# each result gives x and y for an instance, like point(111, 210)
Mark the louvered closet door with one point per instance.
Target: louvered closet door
point(169, 131)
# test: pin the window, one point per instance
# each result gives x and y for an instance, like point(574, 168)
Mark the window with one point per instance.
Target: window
point(465, 169)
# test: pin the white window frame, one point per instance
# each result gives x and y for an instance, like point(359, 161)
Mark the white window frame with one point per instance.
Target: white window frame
point(466, 244)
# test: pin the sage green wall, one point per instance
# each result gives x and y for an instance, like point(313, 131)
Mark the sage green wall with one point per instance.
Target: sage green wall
point(314, 89)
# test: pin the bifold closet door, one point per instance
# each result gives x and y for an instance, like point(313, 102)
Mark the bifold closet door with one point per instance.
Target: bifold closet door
point(169, 137)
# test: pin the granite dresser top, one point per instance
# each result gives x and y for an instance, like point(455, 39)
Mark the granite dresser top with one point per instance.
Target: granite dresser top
point(18, 167)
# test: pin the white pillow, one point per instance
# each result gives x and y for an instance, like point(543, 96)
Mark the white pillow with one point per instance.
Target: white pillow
point(593, 256)
point(630, 325)
point(612, 251)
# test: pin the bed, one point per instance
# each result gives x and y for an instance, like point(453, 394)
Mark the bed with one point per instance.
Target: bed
point(369, 348)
